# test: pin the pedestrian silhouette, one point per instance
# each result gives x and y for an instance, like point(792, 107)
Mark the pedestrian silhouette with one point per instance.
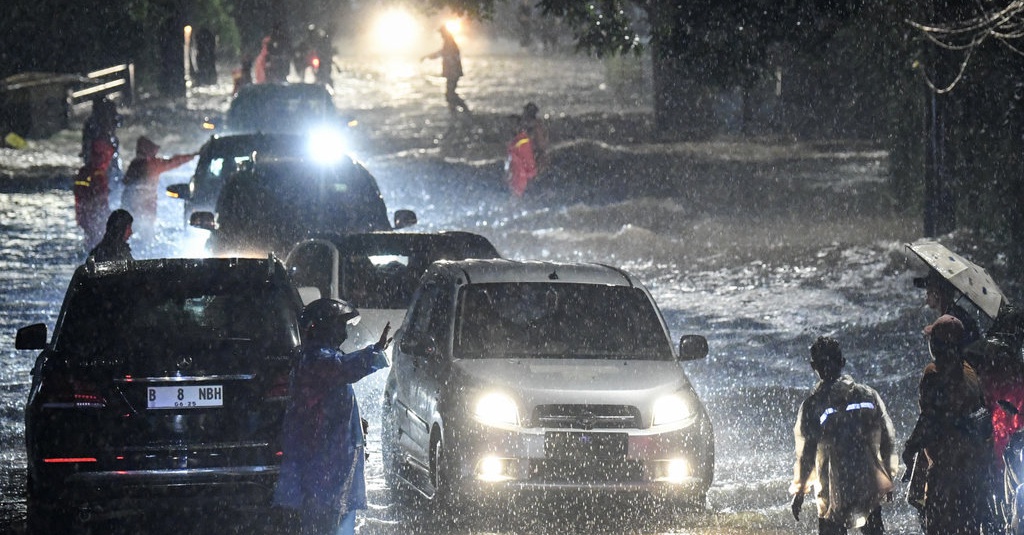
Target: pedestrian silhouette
point(844, 446)
point(451, 69)
point(952, 436)
point(114, 245)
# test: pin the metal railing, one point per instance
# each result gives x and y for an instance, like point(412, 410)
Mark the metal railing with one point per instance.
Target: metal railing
point(108, 81)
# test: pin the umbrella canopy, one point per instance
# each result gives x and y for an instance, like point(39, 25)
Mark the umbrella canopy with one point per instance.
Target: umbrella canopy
point(966, 276)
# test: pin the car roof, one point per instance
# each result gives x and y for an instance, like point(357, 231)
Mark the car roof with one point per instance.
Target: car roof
point(259, 90)
point(250, 137)
point(358, 242)
point(482, 271)
point(173, 268)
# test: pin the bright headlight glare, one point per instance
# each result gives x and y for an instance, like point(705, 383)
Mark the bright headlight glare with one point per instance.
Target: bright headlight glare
point(672, 410)
point(496, 409)
point(326, 145)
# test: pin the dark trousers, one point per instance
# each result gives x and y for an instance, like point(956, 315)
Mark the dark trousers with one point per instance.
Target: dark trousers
point(454, 100)
point(872, 527)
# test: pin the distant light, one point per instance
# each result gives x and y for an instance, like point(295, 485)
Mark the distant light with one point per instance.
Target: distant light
point(395, 31)
point(454, 27)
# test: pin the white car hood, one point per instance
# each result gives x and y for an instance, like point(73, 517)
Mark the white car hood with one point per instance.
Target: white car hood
point(576, 381)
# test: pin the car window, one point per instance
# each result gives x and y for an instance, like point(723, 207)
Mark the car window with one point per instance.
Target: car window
point(559, 320)
point(311, 264)
point(280, 109)
point(378, 281)
point(430, 319)
point(277, 204)
point(138, 320)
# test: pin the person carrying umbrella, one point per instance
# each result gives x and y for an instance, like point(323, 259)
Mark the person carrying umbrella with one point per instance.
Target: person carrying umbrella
point(953, 434)
point(941, 296)
point(950, 277)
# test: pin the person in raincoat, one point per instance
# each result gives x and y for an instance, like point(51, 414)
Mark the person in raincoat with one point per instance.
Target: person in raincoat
point(520, 164)
point(954, 433)
point(103, 122)
point(114, 245)
point(91, 186)
point(323, 439)
point(451, 69)
point(538, 133)
point(141, 182)
point(845, 453)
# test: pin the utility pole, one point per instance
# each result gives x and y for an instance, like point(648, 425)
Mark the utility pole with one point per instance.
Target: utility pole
point(939, 198)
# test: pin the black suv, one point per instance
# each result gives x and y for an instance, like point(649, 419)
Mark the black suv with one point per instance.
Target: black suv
point(276, 202)
point(221, 156)
point(164, 385)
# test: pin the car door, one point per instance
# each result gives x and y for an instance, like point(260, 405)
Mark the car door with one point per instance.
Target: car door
point(418, 364)
point(314, 264)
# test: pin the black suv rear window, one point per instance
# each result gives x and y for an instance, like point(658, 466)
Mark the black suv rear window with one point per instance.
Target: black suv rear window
point(558, 320)
point(132, 316)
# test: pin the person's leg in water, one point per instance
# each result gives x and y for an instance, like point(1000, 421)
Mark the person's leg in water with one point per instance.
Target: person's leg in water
point(455, 102)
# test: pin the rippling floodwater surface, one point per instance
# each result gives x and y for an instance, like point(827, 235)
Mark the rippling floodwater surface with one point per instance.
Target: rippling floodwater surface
point(760, 247)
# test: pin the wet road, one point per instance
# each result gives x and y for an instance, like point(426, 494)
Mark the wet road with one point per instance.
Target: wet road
point(760, 247)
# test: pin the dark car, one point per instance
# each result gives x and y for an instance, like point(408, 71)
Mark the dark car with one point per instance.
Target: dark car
point(276, 202)
point(285, 108)
point(163, 386)
point(512, 378)
point(222, 155)
point(377, 272)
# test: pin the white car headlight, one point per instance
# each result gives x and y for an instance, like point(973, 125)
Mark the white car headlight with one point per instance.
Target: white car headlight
point(496, 408)
point(672, 410)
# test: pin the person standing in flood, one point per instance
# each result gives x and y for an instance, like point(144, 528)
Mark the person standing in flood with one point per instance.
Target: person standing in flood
point(538, 132)
point(104, 121)
point(91, 184)
point(321, 477)
point(141, 182)
point(954, 434)
point(451, 69)
point(520, 164)
point(845, 453)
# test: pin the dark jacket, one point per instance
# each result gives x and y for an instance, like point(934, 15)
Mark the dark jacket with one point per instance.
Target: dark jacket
point(323, 437)
point(113, 246)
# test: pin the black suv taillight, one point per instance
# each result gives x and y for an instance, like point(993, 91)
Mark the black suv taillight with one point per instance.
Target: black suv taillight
point(62, 391)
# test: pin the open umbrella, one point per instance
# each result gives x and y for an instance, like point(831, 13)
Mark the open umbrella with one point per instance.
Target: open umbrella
point(966, 276)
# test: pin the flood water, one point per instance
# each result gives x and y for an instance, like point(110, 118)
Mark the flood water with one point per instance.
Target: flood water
point(759, 246)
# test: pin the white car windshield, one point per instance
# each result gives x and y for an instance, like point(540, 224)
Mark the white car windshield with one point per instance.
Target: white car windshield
point(558, 320)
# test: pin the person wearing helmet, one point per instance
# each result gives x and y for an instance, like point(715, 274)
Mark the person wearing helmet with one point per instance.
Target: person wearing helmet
point(323, 440)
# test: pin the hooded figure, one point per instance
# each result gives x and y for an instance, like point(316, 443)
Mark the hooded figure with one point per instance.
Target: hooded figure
point(520, 164)
point(322, 468)
point(114, 245)
point(141, 182)
point(92, 182)
point(845, 450)
point(954, 431)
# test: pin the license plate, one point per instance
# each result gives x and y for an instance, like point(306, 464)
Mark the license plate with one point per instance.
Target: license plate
point(184, 397)
point(581, 446)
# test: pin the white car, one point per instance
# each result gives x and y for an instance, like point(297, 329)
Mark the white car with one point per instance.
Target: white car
point(376, 272)
point(535, 377)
